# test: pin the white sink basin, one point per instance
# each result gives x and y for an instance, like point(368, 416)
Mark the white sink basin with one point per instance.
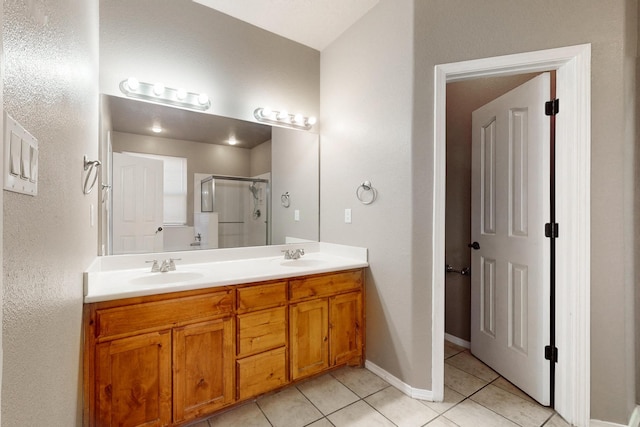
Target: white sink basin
point(302, 263)
point(165, 278)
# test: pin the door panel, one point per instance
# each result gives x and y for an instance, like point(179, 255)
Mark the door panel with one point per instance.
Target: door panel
point(510, 205)
point(137, 204)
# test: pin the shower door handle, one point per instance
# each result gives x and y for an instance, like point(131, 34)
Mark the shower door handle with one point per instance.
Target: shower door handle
point(474, 245)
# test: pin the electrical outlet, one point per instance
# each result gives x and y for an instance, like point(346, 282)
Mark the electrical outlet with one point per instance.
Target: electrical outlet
point(296, 215)
point(347, 216)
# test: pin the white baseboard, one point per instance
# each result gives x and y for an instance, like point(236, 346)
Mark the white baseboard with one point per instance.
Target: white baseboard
point(633, 422)
point(635, 417)
point(457, 341)
point(416, 393)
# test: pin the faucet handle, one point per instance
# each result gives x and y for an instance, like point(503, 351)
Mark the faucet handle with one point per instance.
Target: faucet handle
point(155, 267)
point(172, 264)
point(287, 253)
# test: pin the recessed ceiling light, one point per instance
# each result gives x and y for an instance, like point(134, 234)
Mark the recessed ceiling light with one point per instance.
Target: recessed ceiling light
point(232, 141)
point(156, 129)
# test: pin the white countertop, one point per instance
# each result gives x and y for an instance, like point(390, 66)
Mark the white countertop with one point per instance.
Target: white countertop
point(126, 276)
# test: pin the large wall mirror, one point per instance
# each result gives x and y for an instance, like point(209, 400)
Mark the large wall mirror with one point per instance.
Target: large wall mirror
point(175, 179)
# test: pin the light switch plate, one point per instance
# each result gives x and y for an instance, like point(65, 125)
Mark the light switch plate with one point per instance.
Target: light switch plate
point(20, 158)
point(347, 216)
point(296, 215)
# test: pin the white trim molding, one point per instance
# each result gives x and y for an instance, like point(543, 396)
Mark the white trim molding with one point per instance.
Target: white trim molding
point(573, 161)
point(635, 417)
point(415, 393)
point(457, 341)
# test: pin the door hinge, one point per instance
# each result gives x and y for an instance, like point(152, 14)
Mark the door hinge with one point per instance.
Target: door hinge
point(551, 353)
point(551, 230)
point(551, 108)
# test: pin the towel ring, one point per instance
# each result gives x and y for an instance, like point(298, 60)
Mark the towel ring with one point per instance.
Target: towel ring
point(90, 166)
point(285, 200)
point(366, 193)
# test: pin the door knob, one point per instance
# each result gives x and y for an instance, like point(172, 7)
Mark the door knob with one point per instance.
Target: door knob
point(158, 230)
point(474, 245)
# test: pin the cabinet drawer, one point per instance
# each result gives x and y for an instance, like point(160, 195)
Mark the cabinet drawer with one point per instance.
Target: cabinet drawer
point(156, 314)
point(330, 284)
point(262, 296)
point(261, 330)
point(261, 373)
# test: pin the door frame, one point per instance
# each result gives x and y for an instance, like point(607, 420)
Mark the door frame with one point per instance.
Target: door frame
point(573, 166)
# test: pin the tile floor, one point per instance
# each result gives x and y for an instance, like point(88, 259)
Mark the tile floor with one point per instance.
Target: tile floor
point(474, 396)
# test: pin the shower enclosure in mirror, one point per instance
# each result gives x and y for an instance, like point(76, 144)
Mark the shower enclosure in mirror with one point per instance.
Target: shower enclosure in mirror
point(233, 216)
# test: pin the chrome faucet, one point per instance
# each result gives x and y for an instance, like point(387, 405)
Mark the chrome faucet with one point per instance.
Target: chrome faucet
point(293, 253)
point(167, 265)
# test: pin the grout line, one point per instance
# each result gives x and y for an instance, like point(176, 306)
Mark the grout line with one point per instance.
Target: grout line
point(548, 419)
point(383, 416)
point(263, 414)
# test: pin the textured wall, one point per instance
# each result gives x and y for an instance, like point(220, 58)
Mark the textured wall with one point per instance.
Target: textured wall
point(366, 94)
point(50, 87)
point(457, 30)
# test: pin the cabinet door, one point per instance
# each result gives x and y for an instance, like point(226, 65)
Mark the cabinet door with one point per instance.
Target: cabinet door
point(133, 380)
point(345, 327)
point(309, 324)
point(203, 368)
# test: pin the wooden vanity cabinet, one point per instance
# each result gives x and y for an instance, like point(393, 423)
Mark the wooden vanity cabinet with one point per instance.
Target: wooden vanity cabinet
point(160, 360)
point(262, 339)
point(326, 326)
point(168, 360)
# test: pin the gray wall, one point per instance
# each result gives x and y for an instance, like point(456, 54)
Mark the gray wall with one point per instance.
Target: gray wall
point(51, 87)
point(185, 44)
point(637, 209)
point(462, 99)
point(366, 119)
point(201, 157)
point(496, 27)
point(295, 169)
point(377, 123)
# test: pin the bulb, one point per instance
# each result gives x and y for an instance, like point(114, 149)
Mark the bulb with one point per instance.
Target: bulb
point(312, 121)
point(158, 89)
point(283, 115)
point(266, 112)
point(133, 84)
point(299, 119)
point(181, 94)
point(203, 99)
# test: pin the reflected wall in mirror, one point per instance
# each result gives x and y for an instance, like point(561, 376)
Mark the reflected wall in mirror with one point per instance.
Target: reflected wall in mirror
point(154, 197)
point(184, 44)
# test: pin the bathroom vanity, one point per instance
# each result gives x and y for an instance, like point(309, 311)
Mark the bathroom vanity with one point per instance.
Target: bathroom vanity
point(169, 358)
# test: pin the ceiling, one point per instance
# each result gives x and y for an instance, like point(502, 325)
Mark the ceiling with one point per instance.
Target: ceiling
point(314, 23)
point(133, 116)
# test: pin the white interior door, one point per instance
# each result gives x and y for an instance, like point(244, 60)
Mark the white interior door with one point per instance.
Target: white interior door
point(510, 205)
point(137, 204)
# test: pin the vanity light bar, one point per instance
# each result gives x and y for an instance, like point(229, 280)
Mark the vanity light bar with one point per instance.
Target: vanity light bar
point(283, 118)
point(157, 92)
